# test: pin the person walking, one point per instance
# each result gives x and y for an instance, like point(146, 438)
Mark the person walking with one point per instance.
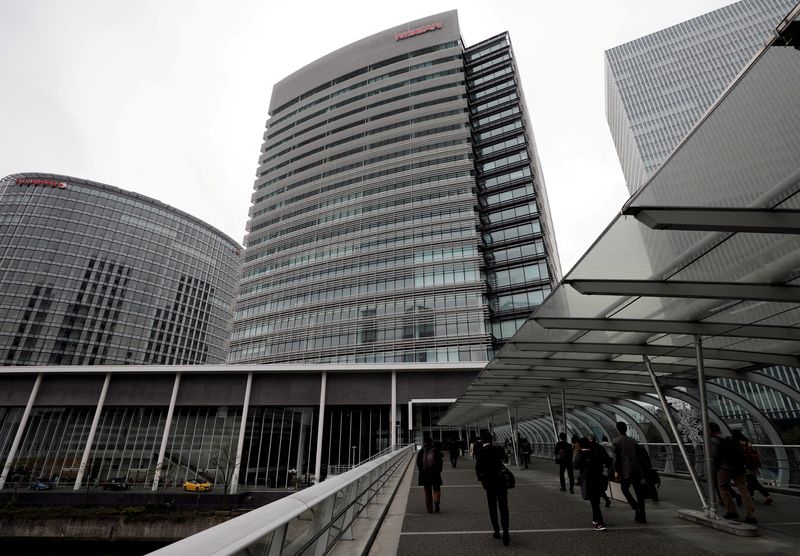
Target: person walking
point(455, 451)
point(488, 467)
point(728, 457)
point(591, 461)
point(525, 450)
point(429, 465)
point(563, 457)
point(752, 463)
point(594, 445)
point(628, 471)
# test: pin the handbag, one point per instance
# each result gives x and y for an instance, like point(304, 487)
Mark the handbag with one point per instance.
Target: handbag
point(508, 477)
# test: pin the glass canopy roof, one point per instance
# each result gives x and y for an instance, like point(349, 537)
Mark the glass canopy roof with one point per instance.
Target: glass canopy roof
point(709, 248)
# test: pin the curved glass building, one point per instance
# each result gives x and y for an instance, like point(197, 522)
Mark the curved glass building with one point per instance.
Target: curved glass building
point(399, 214)
point(94, 275)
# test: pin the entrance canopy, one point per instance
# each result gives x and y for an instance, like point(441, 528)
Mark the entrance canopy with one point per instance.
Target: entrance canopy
point(708, 249)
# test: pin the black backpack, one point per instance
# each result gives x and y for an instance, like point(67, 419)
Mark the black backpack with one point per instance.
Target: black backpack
point(731, 453)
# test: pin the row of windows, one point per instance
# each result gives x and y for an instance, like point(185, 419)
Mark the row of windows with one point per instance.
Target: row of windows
point(269, 146)
point(512, 213)
point(263, 159)
point(300, 183)
point(494, 103)
point(525, 251)
point(501, 146)
point(337, 117)
point(392, 261)
point(484, 65)
point(490, 77)
point(504, 161)
point(517, 301)
point(423, 278)
point(515, 232)
point(343, 198)
point(88, 204)
point(502, 179)
point(357, 164)
point(393, 241)
point(384, 206)
point(453, 354)
point(359, 229)
point(502, 86)
point(486, 50)
point(365, 95)
point(400, 305)
point(509, 195)
point(518, 276)
point(409, 322)
point(365, 69)
point(491, 133)
point(395, 154)
point(505, 329)
point(495, 117)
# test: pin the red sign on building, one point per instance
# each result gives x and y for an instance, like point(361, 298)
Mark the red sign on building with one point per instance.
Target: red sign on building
point(417, 31)
point(46, 183)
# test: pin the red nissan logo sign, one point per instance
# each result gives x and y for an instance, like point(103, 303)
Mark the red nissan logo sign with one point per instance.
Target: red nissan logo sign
point(417, 31)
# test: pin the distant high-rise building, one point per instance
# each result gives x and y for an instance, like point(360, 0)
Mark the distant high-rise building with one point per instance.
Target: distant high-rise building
point(399, 213)
point(660, 85)
point(92, 275)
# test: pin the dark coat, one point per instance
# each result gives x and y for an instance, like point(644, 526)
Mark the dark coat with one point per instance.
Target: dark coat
point(432, 477)
point(488, 465)
point(626, 459)
point(590, 462)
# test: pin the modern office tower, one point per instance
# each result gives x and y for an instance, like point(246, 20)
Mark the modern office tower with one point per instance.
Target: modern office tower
point(660, 85)
point(91, 275)
point(399, 213)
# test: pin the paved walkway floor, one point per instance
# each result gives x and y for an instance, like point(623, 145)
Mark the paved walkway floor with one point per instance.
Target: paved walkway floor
point(545, 520)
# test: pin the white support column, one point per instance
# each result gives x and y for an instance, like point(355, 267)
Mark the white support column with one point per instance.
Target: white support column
point(553, 418)
point(322, 387)
point(165, 437)
point(671, 421)
point(513, 438)
point(564, 411)
point(237, 462)
point(89, 441)
point(711, 507)
point(20, 430)
point(393, 413)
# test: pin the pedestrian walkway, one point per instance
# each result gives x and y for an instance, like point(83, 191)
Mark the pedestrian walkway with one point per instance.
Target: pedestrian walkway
point(545, 520)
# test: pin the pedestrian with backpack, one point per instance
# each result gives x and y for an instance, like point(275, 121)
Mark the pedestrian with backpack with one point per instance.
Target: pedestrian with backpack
point(729, 461)
point(563, 458)
point(752, 463)
point(429, 466)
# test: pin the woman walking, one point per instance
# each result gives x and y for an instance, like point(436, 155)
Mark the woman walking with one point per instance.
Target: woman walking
point(590, 462)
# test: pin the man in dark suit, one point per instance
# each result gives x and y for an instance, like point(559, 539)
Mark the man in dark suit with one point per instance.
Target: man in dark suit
point(628, 470)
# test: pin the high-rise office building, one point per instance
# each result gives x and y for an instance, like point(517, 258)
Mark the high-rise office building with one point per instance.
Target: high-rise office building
point(660, 85)
point(399, 213)
point(92, 275)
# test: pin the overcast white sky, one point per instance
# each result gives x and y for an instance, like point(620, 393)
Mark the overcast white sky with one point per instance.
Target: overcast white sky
point(168, 98)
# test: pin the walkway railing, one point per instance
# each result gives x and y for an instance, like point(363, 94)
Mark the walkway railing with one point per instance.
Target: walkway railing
point(309, 522)
point(665, 457)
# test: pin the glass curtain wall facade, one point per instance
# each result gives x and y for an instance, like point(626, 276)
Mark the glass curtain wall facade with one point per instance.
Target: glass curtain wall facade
point(366, 239)
point(660, 85)
point(91, 274)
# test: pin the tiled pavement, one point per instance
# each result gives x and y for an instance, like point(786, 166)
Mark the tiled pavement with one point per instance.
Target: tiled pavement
point(545, 520)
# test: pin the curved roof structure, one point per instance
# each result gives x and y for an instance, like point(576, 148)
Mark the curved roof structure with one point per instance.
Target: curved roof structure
point(707, 250)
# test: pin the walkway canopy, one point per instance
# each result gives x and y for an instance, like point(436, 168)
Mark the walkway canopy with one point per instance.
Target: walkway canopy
point(706, 255)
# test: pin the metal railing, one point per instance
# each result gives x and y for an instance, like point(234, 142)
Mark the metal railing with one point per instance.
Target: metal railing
point(309, 522)
point(666, 458)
